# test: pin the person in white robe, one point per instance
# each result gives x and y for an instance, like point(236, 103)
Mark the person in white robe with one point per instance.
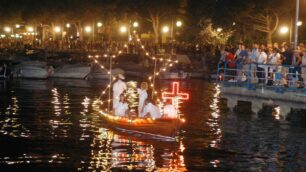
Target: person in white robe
point(143, 95)
point(121, 107)
point(151, 110)
point(169, 110)
point(118, 88)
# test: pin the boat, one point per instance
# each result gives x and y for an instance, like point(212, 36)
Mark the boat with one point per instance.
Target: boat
point(5, 69)
point(180, 75)
point(73, 71)
point(159, 128)
point(132, 64)
point(32, 70)
point(98, 73)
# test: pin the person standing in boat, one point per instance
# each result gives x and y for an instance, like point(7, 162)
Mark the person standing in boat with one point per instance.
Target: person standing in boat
point(121, 108)
point(118, 88)
point(169, 110)
point(150, 110)
point(143, 95)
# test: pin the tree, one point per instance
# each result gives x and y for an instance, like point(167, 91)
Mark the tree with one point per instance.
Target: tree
point(252, 16)
point(159, 11)
point(266, 22)
point(213, 36)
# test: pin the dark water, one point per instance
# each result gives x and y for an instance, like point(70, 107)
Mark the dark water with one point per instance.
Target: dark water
point(53, 126)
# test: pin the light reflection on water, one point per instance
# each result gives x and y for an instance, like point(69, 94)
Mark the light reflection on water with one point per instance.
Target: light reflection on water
point(213, 123)
point(55, 127)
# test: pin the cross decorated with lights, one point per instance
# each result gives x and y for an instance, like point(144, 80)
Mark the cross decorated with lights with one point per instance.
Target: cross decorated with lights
point(175, 94)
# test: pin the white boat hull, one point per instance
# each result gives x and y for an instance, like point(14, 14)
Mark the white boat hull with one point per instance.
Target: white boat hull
point(32, 70)
point(175, 75)
point(72, 71)
point(97, 73)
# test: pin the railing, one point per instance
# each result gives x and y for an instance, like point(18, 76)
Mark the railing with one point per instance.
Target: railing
point(254, 76)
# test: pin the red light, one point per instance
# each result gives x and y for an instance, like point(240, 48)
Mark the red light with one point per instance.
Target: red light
point(175, 93)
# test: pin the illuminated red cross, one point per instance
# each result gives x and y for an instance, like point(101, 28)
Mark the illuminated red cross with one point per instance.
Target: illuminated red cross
point(175, 94)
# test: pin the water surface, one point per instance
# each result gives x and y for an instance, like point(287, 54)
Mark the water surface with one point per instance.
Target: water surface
point(52, 125)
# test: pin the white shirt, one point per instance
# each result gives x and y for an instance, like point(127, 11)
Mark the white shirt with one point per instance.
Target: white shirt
point(121, 108)
point(170, 111)
point(262, 58)
point(152, 110)
point(119, 86)
point(274, 57)
point(143, 95)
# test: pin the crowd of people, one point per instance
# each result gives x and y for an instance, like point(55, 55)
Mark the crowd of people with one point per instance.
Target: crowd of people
point(272, 65)
point(146, 107)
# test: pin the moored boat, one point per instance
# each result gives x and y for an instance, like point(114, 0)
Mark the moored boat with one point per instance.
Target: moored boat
point(180, 75)
point(98, 73)
point(74, 71)
point(33, 70)
point(162, 128)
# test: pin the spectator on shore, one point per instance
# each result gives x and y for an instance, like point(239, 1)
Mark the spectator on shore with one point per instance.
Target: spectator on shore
point(241, 58)
point(287, 61)
point(253, 60)
point(262, 59)
point(222, 60)
point(303, 51)
point(230, 58)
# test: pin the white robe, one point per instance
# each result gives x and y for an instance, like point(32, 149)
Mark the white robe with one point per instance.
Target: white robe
point(170, 111)
point(120, 108)
point(143, 95)
point(118, 88)
point(152, 110)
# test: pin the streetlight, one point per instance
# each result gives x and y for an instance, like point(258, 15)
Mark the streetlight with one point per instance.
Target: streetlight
point(135, 24)
point(123, 29)
point(99, 24)
point(68, 25)
point(87, 29)
point(30, 29)
point(57, 29)
point(7, 29)
point(165, 29)
point(179, 23)
point(284, 30)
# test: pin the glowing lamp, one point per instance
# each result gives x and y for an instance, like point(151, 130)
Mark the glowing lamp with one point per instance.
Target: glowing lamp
point(123, 29)
point(219, 29)
point(284, 30)
point(87, 29)
point(7, 29)
point(57, 29)
point(17, 26)
point(135, 24)
point(99, 24)
point(165, 29)
point(30, 29)
point(68, 25)
point(179, 23)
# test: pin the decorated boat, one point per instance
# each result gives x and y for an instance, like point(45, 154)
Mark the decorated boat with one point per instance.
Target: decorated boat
point(160, 128)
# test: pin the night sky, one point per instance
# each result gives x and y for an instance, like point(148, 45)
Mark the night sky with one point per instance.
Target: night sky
point(221, 12)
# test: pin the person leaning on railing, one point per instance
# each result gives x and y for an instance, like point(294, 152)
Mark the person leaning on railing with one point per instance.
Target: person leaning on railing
point(287, 62)
point(230, 58)
point(261, 61)
point(304, 67)
point(297, 68)
point(253, 61)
